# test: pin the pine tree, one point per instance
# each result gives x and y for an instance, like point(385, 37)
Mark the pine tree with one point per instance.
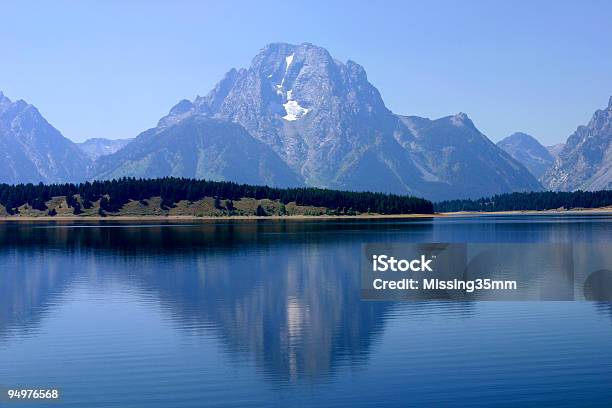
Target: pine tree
point(260, 212)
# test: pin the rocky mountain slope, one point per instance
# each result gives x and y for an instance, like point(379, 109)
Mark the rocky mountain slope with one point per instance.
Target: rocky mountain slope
point(457, 160)
point(198, 147)
point(528, 151)
point(33, 151)
point(555, 149)
point(585, 162)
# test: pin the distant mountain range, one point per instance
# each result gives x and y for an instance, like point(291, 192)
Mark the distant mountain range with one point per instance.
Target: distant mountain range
point(295, 117)
point(98, 147)
point(330, 127)
point(584, 162)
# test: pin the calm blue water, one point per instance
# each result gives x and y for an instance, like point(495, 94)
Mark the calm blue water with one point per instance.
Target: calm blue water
point(268, 313)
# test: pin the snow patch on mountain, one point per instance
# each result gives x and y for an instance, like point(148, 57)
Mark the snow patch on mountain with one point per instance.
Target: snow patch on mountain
point(294, 111)
point(288, 61)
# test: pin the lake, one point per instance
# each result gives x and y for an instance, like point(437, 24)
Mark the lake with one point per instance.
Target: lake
point(268, 313)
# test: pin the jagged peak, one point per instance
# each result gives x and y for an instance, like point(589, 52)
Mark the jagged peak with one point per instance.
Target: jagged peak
point(22, 106)
point(272, 52)
point(183, 106)
point(356, 69)
point(4, 101)
point(461, 119)
point(280, 45)
point(182, 109)
point(277, 45)
point(18, 107)
point(600, 117)
point(279, 52)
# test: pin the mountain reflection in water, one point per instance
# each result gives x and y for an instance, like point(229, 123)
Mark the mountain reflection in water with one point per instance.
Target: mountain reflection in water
point(283, 296)
point(283, 292)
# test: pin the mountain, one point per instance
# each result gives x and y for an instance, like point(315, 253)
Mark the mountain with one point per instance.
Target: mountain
point(319, 115)
point(98, 147)
point(528, 151)
point(457, 160)
point(31, 150)
point(329, 124)
point(198, 147)
point(585, 162)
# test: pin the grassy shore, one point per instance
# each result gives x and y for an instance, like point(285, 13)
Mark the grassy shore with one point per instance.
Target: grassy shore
point(152, 210)
point(25, 218)
point(17, 218)
point(58, 209)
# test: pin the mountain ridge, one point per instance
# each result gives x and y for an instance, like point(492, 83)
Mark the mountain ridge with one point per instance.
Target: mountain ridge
point(331, 126)
point(297, 116)
point(33, 150)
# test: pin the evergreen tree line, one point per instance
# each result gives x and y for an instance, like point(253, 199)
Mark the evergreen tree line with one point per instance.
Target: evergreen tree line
point(113, 194)
point(545, 200)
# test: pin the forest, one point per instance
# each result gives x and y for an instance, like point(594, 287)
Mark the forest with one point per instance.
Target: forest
point(535, 201)
point(114, 194)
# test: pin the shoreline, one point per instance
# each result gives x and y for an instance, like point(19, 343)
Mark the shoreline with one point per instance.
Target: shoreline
point(573, 211)
point(208, 218)
point(582, 211)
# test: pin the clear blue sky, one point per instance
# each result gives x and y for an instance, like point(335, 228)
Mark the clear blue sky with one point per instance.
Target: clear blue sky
point(112, 69)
